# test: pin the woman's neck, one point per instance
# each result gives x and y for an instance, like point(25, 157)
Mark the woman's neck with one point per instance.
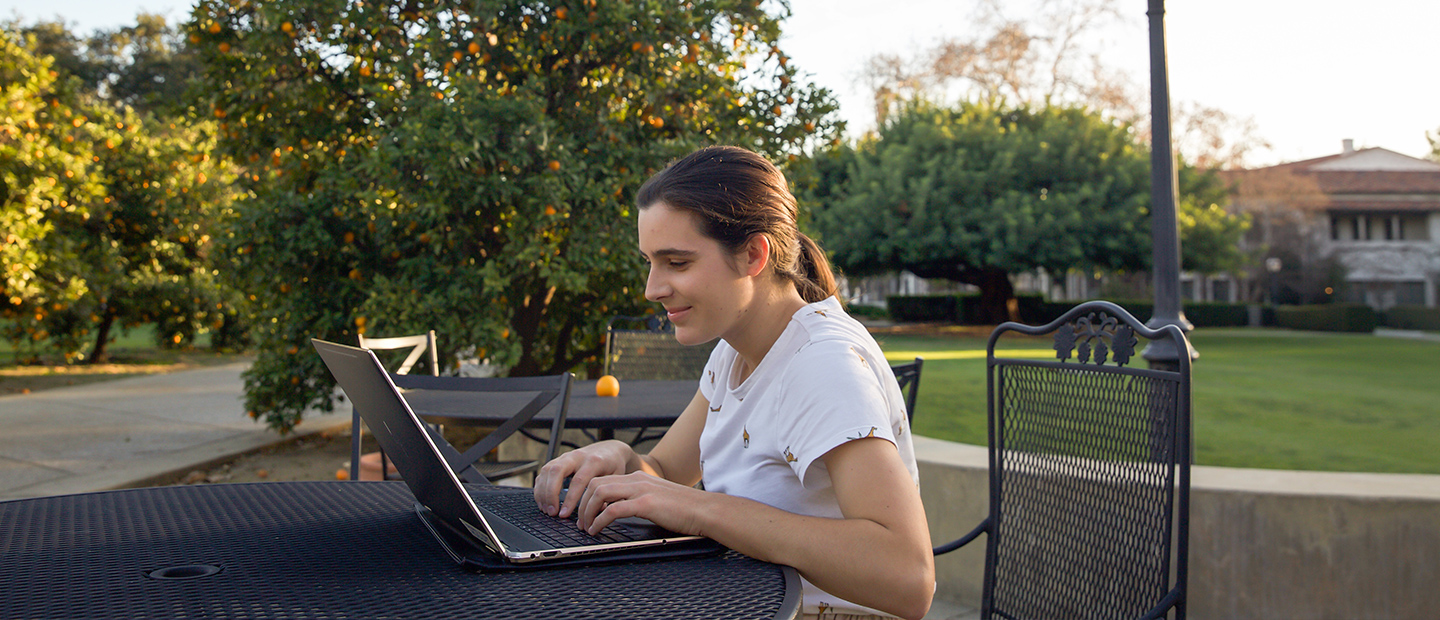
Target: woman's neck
point(765, 320)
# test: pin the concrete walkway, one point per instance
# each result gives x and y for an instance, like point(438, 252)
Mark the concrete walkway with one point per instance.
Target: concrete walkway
point(128, 432)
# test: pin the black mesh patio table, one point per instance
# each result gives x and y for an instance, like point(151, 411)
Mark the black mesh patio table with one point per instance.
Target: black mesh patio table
point(641, 404)
point(323, 550)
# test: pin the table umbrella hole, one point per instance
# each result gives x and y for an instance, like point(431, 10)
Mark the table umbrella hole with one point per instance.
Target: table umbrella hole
point(188, 571)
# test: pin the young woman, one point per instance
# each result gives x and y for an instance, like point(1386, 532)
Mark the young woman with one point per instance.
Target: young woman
point(798, 429)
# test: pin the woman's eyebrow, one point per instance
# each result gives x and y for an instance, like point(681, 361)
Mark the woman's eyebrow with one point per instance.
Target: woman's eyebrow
point(672, 253)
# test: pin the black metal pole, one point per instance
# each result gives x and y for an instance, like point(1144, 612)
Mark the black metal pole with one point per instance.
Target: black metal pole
point(1164, 227)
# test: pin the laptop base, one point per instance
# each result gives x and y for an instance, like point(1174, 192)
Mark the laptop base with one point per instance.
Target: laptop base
point(474, 556)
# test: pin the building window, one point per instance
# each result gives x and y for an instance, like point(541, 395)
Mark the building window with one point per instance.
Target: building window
point(1379, 227)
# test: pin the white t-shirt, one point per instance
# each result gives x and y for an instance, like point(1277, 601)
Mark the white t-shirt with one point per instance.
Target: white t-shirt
point(823, 383)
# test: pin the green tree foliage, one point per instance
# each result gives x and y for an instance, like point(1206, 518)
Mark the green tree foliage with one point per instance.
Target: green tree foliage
point(123, 235)
point(1209, 233)
point(981, 191)
point(147, 66)
point(44, 172)
point(468, 167)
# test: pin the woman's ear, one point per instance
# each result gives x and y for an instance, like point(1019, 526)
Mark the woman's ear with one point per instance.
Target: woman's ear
point(757, 254)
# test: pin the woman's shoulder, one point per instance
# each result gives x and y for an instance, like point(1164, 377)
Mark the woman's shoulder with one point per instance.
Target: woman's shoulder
point(827, 329)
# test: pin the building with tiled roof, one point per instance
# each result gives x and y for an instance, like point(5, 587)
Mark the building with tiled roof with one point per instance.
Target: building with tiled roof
point(1373, 213)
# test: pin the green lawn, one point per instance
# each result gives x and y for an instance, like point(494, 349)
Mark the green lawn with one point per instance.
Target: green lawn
point(1262, 398)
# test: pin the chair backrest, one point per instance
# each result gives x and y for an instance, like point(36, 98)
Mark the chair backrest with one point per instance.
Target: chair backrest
point(908, 375)
point(651, 352)
point(546, 388)
point(1089, 473)
point(420, 344)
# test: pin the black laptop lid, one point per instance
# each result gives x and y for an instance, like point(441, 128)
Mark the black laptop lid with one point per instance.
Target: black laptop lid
point(401, 434)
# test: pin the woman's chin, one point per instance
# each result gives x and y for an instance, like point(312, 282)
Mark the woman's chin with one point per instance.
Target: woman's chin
point(690, 337)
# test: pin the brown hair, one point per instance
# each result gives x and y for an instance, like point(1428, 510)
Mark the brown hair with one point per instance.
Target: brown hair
point(736, 194)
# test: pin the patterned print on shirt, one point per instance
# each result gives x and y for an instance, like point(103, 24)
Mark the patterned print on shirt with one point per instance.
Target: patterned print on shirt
point(863, 361)
point(789, 458)
point(872, 434)
point(746, 437)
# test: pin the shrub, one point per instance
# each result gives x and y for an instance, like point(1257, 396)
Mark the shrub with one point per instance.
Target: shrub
point(1328, 317)
point(1214, 314)
point(868, 312)
point(924, 308)
point(1413, 317)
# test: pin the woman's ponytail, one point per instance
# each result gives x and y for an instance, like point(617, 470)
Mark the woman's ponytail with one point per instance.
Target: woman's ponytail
point(815, 279)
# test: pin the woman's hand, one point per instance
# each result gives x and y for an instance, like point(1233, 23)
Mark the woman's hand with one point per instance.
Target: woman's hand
point(667, 504)
point(605, 458)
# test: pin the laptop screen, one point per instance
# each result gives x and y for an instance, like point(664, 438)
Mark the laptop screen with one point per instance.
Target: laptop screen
point(401, 435)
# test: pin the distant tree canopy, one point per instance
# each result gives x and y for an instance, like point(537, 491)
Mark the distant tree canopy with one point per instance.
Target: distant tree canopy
point(107, 210)
point(469, 167)
point(979, 192)
point(982, 191)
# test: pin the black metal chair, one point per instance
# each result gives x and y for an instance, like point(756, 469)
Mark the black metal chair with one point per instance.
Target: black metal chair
point(651, 351)
point(908, 374)
point(419, 345)
point(466, 464)
point(648, 350)
point(1089, 474)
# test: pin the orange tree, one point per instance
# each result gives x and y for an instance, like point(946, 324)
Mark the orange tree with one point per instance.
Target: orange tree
point(469, 166)
point(43, 172)
point(112, 208)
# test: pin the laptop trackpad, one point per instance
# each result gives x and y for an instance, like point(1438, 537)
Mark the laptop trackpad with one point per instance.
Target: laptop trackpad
point(644, 528)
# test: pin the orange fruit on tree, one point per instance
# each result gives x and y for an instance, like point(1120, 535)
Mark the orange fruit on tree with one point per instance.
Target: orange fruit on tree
point(224, 48)
point(608, 385)
point(474, 47)
point(213, 28)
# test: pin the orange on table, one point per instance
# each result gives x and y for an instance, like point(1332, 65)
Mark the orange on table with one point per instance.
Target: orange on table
point(608, 385)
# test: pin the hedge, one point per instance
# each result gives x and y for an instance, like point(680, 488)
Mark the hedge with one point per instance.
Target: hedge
point(924, 308)
point(1328, 317)
point(869, 312)
point(1413, 317)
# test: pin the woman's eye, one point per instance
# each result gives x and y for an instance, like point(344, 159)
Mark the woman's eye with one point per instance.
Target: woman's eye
point(678, 264)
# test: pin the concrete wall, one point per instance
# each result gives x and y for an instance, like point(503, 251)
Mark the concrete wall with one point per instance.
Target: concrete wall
point(1263, 543)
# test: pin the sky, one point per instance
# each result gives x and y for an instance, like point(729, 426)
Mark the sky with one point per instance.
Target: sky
point(1308, 74)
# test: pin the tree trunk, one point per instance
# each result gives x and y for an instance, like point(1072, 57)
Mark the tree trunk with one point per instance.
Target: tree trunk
point(997, 298)
point(98, 354)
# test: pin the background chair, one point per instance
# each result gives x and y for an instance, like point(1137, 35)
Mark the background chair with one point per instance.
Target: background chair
point(470, 462)
point(419, 344)
point(644, 347)
point(908, 374)
point(1089, 474)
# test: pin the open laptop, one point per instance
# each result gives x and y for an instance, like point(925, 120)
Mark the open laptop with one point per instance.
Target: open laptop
point(476, 523)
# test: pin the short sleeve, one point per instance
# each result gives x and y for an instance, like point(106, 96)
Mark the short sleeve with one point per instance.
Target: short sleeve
point(831, 396)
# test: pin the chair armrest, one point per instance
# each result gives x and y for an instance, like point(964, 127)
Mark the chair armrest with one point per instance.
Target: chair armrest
point(984, 527)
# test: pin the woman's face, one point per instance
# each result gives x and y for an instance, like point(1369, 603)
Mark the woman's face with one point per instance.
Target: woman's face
point(701, 285)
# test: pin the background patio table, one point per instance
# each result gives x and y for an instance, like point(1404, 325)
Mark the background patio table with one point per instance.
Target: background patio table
point(323, 550)
point(641, 404)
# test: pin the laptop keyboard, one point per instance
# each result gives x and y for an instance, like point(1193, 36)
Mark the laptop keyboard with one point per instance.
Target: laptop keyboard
point(520, 510)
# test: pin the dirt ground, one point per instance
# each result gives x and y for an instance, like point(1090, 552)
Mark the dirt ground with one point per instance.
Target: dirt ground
point(318, 457)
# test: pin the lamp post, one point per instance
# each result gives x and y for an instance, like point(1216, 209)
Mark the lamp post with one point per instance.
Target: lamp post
point(1164, 228)
point(1272, 266)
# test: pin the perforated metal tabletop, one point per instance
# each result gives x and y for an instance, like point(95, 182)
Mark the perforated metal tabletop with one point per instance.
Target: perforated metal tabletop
point(323, 550)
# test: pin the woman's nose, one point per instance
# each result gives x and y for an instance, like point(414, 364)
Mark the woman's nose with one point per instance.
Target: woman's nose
point(655, 287)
